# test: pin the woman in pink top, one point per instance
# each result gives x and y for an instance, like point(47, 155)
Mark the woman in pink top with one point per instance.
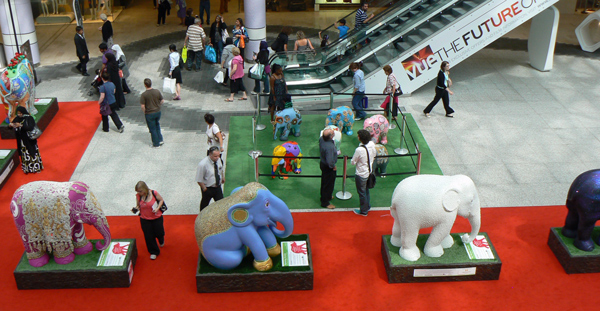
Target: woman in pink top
point(236, 75)
point(148, 204)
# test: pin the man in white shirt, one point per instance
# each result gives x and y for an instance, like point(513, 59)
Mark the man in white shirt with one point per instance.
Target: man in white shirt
point(209, 176)
point(194, 40)
point(364, 164)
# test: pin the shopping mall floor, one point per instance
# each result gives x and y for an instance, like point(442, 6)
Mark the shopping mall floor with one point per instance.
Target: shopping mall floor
point(522, 135)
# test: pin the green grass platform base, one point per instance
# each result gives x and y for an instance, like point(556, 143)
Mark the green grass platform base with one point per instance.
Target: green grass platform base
point(83, 272)
point(245, 278)
point(8, 165)
point(45, 114)
point(452, 266)
point(570, 257)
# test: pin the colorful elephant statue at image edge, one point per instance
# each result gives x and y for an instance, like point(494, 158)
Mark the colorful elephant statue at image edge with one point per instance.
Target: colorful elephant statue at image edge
point(337, 137)
point(50, 216)
point(378, 126)
point(342, 117)
point(17, 86)
point(287, 121)
point(424, 201)
point(244, 222)
point(288, 149)
point(380, 164)
point(583, 204)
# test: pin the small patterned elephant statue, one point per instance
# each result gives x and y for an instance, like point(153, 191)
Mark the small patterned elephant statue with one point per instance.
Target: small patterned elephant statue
point(378, 126)
point(17, 86)
point(380, 164)
point(289, 149)
point(342, 117)
point(287, 121)
point(244, 222)
point(337, 137)
point(50, 216)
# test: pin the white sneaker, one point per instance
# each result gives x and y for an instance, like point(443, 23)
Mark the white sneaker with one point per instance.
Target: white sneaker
point(153, 257)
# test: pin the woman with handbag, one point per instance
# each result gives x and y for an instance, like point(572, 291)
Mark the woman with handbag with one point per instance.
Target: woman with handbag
point(26, 133)
point(236, 76)
point(112, 68)
point(363, 159)
point(214, 133)
point(262, 58)
point(392, 89)
point(226, 58)
point(240, 35)
point(123, 69)
point(150, 206)
point(217, 29)
point(175, 70)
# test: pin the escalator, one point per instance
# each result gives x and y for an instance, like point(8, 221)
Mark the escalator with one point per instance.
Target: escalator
point(404, 30)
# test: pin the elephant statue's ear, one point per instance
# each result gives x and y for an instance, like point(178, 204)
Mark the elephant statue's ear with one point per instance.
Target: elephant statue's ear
point(239, 216)
point(451, 200)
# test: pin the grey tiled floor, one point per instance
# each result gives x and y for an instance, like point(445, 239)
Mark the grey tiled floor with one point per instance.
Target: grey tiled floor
point(521, 134)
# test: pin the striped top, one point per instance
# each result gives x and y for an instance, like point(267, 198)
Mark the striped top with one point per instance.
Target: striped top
point(196, 37)
point(361, 16)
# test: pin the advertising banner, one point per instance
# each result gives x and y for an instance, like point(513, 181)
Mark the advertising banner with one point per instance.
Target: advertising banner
point(460, 40)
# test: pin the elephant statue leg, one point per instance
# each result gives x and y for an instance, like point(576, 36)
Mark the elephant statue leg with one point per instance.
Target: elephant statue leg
point(396, 238)
point(409, 249)
point(383, 138)
point(433, 247)
point(584, 235)
point(227, 259)
point(570, 228)
point(39, 262)
point(81, 243)
point(273, 248)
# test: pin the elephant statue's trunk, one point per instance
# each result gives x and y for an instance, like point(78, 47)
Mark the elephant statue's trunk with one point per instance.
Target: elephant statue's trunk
point(475, 221)
point(286, 220)
point(102, 226)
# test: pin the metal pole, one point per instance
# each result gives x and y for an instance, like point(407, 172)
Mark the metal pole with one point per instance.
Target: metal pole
point(418, 160)
point(259, 126)
point(255, 156)
point(390, 113)
point(401, 150)
point(330, 100)
point(255, 152)
point(344, 195)
point(12, 21)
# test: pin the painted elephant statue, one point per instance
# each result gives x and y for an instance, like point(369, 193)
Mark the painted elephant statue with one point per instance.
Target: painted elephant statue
point(287, 122)
point(337, 136)
point(244, 222)
point(424, 201)
point(378, 127)
point(583, 203)
point(291, 150)
point(380, 163)
point(342, 117)
point(17, 86)
point(50, 216)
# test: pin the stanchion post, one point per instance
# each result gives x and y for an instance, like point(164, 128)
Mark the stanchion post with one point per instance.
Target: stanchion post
point(390, 111)
point(254, 152)
point(401, 150)
point(418, 160)
point(255, 167)
point(330, 100)
point(344, 195)
point(259, 126)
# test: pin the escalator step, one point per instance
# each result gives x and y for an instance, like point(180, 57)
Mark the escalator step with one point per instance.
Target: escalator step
point(426, 32)
point(347, 81)
point(469, 4)
point(448, 17)
point(336, 87)
point(370, 66)
point(459, 11)
point(414, 39)
point(437, 25)
point(403, 46)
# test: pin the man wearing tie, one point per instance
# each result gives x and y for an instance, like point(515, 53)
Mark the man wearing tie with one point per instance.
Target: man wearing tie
point(209, 176)
point(82, 51)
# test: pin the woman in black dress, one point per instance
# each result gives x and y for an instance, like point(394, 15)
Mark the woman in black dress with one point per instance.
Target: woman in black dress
point(31, 162)
point(442, 90)
point(112, 67)
point(278, 90)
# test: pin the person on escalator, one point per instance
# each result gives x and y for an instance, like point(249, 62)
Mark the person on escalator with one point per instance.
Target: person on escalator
point(361, 19)
point(281, 42)
point(341, 26)
point(359, 91)
point(341, 47)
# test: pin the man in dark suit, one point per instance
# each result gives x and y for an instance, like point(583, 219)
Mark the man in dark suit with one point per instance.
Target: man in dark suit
point(82, 51)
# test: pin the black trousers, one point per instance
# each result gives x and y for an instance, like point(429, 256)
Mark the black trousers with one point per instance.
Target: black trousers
point(83, 63)
point(162, 14)
point(153, 229)
point(215, 193)
point(115, 118)
point(327, 184)
point(440, 94)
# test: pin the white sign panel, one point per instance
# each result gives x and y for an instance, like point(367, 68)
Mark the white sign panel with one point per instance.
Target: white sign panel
point(422, 273)
point(294, 254)
point(479, 249)
point(114, 255)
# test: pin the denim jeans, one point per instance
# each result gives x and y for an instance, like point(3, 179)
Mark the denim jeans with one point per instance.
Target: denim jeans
point(219, 49)
point(357, 104)
point(204, 5)
point(265, 79)
point(363, 194)
point(194, 55)
point(152, 120)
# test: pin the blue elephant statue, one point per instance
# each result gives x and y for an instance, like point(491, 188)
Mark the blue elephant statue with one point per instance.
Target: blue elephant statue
point(583, 203)
point(287, 121)
point(380, 164)
point(342, 117)
point(229, 229)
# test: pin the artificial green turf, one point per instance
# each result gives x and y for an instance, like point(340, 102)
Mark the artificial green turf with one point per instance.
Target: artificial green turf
point(247, 267)
point(41, 110)
point(303, 193)
point(88, 261)
point(454, 255)
point(574, 251)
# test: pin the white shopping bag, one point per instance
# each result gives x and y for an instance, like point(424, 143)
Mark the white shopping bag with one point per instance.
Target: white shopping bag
point(219, 77)
point(169, 85)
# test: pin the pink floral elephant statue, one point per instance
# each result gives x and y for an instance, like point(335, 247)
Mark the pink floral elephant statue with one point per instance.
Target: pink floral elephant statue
point(378, 126)
point(50, 216)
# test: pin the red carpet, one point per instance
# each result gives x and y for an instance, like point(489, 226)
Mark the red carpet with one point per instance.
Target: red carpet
point(349, 272)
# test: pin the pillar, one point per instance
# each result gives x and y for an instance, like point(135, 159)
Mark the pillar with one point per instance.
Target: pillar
point(255, 18)
point(542, 39)
point(16, 22)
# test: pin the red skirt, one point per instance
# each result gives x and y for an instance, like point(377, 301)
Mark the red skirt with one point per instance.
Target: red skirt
point(387, 100)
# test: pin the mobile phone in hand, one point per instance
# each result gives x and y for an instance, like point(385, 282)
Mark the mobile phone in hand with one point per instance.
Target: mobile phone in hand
point(134, 210)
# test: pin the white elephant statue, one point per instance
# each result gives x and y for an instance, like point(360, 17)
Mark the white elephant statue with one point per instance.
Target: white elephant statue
point(424, 201)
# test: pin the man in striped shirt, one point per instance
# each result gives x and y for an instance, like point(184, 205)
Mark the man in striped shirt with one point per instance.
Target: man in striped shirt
point(194, 40)
point(361, 16)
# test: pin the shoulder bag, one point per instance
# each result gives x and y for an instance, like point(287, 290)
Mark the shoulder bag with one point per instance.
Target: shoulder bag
point(217, 137)
point(35, 133)
point(164, 207)
point(371, 179)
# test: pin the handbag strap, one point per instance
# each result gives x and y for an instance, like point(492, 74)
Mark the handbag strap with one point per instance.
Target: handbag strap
point(368, 158)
